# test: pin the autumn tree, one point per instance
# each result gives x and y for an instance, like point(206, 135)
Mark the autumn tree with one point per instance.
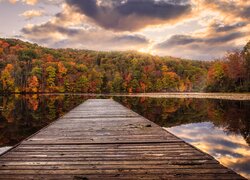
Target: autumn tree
point(95, 81)
point(116, 84)
point(26, 56)
point(51, 76)
point(37, 71)
point(33, 84)
point(217, 78)
point(246, 54)
point(62, 71)
point(7, 79)
point(170, 81)
point(126, 82)
point(236, 69)
point(82, 84)
point(36, 68)
point(1, 51)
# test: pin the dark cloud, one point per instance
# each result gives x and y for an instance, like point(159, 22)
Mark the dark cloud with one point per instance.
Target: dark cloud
point(177, 40)
point(246, 12)
point(184, 40)
point(225, 38)
point(242, 165)
point(130, 38)
point(227, 152)
point(48, 28)
point(231, 8)
point(61, 36)
point(88, 7)
point(224, 28)
point(213, 44)
point(131, 15)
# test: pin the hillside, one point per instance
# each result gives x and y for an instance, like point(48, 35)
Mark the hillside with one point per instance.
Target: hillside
point(30, 68)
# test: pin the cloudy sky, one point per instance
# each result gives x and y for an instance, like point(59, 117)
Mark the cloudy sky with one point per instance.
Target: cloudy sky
point(196, 29)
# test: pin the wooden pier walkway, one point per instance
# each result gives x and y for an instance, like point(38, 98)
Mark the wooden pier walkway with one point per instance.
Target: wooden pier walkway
point(101, 139)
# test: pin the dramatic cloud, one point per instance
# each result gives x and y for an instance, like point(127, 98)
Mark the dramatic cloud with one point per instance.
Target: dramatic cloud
point(218, 27)
point(32, 13)
point(131, 15)
point(58, 36)
point(238, 8)
point(180, 40)
point(67, 30)
point(211, 43)
point(195, 29)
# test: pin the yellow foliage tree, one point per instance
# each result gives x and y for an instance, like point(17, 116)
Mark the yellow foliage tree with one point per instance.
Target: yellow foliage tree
point(7, 79)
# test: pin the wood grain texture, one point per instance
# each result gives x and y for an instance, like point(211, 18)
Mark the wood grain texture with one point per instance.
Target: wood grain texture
point(101, 139)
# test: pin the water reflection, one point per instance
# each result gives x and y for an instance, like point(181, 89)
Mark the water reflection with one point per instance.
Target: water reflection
point(231, 116)
point(230, 149)
point(219, 127)
point(21, 116)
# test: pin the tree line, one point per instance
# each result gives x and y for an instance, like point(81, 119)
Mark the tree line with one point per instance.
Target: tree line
point(29, 68)
point(231, 74)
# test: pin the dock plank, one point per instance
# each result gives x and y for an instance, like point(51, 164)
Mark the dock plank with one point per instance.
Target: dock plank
point(101, 139)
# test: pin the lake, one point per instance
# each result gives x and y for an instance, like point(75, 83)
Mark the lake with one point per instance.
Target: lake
point(218, 127)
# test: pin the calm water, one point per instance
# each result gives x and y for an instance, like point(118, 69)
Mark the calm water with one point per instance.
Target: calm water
point(218, 127)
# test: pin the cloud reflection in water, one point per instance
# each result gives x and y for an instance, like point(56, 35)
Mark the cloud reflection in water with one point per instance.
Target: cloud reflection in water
point(229, 149)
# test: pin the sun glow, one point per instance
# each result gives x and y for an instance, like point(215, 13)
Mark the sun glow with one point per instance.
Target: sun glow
point(147, 50)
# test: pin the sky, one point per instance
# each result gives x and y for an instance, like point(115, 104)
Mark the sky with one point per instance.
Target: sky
point(193, 29)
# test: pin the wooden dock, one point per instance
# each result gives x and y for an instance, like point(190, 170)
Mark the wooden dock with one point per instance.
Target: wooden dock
point(101, 139)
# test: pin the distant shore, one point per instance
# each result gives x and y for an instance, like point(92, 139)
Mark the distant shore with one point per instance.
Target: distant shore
point(226, 96)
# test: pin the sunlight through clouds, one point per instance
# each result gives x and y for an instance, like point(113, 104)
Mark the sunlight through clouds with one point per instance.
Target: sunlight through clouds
point(202, 29)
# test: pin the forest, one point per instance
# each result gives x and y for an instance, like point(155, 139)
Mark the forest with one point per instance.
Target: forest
point(30, 68)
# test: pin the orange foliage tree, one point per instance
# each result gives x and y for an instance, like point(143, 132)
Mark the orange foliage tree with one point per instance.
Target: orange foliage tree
point(33, 84)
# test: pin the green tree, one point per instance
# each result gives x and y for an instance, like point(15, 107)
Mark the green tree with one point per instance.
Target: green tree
point(37, 71)
point(95, 81)
point(82, 84)
point(117, 83)
point(26, 56)
point(51, 76)
point(217, 77)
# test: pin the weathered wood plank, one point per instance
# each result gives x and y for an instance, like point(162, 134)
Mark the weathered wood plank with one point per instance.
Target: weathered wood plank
point(123, 176)
point(101, 139)
point(193, 163)
point(114, 170)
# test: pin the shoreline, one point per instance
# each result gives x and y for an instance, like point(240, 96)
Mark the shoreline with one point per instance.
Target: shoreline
point(225, 96)
point(198, 95)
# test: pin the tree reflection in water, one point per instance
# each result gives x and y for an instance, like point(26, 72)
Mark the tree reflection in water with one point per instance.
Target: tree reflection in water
point(219, 127)
point(232, 116)
point(23, 115)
